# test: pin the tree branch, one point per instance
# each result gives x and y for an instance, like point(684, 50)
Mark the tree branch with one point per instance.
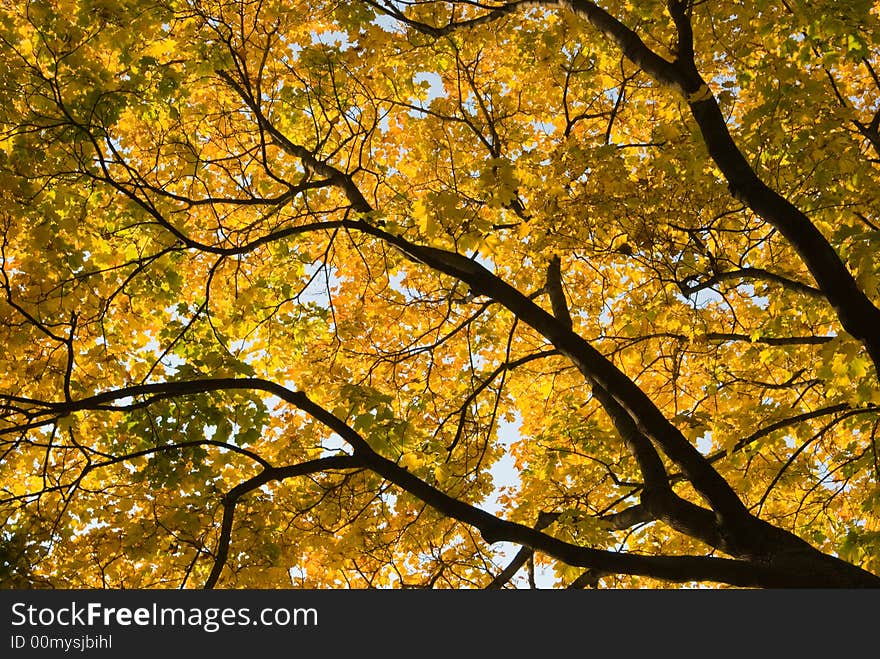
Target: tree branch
point(857, 314)
point(493, 14)
point(750, 273)
point(555, 291)
point(268, 475)
point(674, 568)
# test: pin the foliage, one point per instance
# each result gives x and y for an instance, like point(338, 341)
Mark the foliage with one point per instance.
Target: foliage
point(439, 294)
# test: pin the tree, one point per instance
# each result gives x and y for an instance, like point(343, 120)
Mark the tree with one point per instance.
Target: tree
point(355, 294)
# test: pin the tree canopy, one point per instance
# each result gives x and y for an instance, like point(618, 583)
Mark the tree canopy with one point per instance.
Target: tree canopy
point(424, 294)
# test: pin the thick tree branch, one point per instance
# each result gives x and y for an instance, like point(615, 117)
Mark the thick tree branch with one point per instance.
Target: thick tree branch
point(493, 14)
point(689, 288)
point(309, 159)
point(268, 475)
point(857, 314)
point(522, 556)
point(503, 577)
point(556, 293)
point(647, 419)
point(766, 573)
point(629, 43)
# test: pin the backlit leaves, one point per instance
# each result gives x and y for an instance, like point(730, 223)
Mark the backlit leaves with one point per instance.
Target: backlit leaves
point(236, 192)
